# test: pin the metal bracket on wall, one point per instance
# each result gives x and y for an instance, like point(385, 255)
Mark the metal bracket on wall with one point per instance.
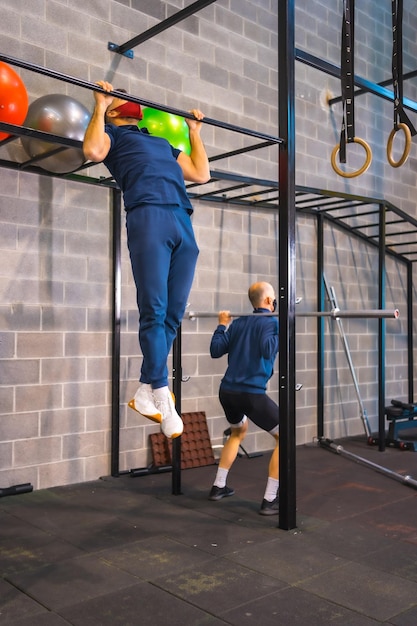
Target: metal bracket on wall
point(114, 47)
point(125, 48)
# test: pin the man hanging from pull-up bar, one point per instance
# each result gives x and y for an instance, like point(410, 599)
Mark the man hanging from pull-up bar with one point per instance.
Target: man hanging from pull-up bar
point(251, 343)
point(163, 251)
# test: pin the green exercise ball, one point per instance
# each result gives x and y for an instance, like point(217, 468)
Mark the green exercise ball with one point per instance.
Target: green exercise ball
point(171, 127)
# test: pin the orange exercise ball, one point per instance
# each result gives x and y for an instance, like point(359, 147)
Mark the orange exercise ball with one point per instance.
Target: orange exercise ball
point(14, 102)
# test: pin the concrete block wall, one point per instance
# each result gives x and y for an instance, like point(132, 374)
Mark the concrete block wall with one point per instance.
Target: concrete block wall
point(55, 235)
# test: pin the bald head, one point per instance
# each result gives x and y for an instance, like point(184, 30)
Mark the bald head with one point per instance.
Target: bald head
point(261, 295)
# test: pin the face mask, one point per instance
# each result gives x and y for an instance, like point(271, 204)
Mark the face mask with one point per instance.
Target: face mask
point(274, 305)
point(130, 109)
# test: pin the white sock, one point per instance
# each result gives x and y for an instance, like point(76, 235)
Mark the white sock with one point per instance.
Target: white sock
point(271, 489)
point(221, 477)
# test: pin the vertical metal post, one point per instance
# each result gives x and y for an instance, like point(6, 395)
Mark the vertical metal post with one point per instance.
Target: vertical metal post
point(410, 333)
point(286, 288)
point(176, 387)
point(115, 364)
point(320, 327)
point(381, 329)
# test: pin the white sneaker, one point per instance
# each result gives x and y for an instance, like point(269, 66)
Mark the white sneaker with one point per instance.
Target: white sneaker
point(144, 403)
point(171, 424)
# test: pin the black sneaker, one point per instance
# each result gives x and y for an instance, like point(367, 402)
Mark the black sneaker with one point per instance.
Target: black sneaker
point(269, 508)
point(217, 493)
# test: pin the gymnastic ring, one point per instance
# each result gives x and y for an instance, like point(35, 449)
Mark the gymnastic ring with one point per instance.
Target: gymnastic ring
point(361, 170)
point(407, 146)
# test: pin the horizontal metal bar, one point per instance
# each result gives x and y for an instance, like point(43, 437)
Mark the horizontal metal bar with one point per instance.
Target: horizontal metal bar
point(25, 131)
point(226, 155)
point(145, 471)
point(338, 449)
point(222, 191)
point(159, 28)
point(402, 243)
point(16, 490)
point(124, 96)
point(334, 314)
point(32, 169)
point(361, 314)
point(382, 83)
point(366, 85)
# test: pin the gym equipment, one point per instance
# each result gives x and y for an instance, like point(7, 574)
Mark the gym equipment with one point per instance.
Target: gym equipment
point(334, 314)
point(125, 48)
point(16, 490)
point(118, 94)
point(407, 145)
point(171, 127)
point(362, 169)
point(60, 115)
point(196, 448)
point(13, 97)
point(401, 416)
point(347, 65)
point(338, 449)
point(363, 414)
point(401, 119)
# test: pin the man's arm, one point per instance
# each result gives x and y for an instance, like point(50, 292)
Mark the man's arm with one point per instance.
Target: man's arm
point(96, 143)
point(219, 344)
point(195, 167)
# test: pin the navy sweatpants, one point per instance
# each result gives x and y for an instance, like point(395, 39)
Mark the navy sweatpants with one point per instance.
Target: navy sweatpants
point(163, 253)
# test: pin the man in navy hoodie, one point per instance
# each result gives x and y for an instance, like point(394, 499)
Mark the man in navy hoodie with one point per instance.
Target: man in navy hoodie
point(251, 343)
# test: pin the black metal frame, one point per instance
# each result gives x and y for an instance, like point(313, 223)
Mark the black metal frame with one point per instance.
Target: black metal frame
point(286, 265)
point(263, 194)
point(126, 48)
point(332, 207)
point(366, 86)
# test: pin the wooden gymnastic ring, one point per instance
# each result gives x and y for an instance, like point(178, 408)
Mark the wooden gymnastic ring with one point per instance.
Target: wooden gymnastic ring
point(407, 146)
point(362, 169)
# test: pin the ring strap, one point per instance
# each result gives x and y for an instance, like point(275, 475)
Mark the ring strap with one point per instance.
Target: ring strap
point(400, 115)
point(347, 68)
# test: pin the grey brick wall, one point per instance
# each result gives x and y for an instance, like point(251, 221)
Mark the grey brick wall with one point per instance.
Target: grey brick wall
point(55, 235)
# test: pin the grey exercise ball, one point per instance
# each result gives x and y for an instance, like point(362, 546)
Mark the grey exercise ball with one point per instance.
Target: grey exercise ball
point(63, 116)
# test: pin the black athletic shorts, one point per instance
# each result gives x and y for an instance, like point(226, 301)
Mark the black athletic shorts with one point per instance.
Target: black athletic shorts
point(259, 408)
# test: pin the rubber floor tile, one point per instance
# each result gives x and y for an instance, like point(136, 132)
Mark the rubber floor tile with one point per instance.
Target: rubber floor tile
point(219, 585)
point(294, 607)
point(15, 605)
point(219, 539)
point(151, 558)
point(290, 558)
point(378, 594)
point(392, 559)
point(140, 605)
point(65, 583)
point(405, 618)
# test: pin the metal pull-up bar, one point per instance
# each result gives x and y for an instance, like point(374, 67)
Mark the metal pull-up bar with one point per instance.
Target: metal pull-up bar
point(334, 314)
point(124, 96)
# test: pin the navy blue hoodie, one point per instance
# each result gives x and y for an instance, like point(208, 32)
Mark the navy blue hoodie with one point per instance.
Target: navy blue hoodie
point(251, 343)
